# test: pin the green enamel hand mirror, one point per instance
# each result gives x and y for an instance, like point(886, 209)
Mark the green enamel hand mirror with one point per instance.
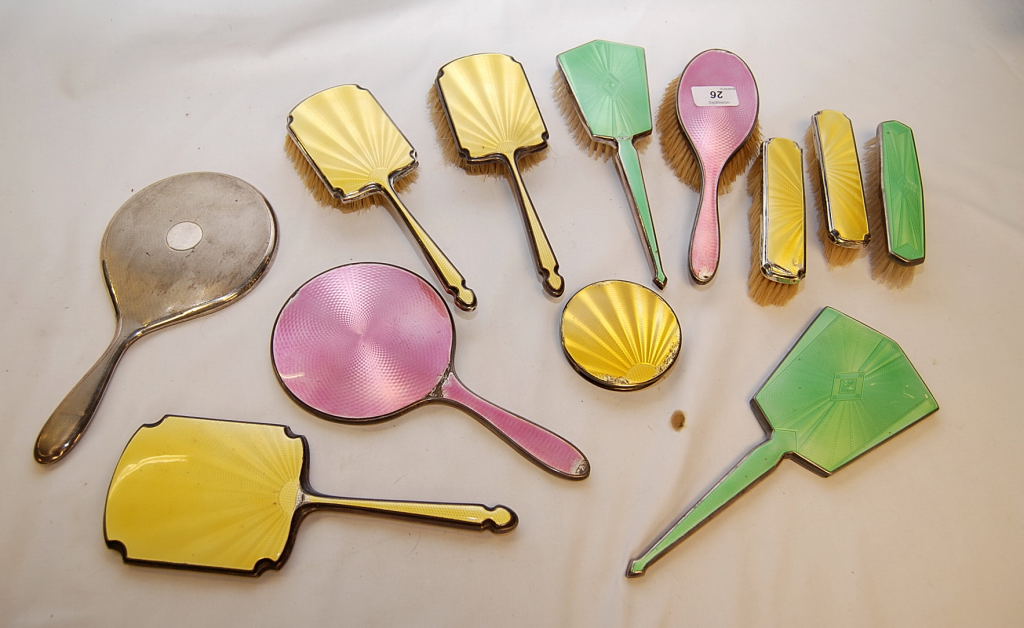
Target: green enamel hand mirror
point(843, 389)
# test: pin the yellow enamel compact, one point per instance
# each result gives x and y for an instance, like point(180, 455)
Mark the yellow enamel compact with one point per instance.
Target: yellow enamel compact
point(229, 496)
point(620, 335)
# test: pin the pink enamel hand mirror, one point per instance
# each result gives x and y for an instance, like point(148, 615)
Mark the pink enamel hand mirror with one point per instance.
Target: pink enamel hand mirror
point(366, 342)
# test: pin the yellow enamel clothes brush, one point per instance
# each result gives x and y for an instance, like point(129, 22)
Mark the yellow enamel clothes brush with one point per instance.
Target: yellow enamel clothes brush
point(608, 83)
point(355, 151)
point(494, 119)
point(834, 173)
point(777, 222)
point(714, 104)
point(895, 201)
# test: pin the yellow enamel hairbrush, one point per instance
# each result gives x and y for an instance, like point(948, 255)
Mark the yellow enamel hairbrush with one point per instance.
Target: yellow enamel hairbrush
point(356, 151)
point(494, 118)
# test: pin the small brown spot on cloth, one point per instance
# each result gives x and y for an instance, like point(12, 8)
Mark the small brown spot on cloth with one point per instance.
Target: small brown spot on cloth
point(678, 420)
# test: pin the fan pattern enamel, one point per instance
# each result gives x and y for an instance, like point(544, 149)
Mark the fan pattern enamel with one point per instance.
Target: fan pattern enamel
point(784, 247)
point(609, 82)
point(216, 494)
point(620, 335)
point(349, 140)
point(840, 168)
point(490, 105)
point(843, 389)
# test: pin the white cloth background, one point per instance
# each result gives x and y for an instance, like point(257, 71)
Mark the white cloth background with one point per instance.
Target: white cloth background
point(100, 99)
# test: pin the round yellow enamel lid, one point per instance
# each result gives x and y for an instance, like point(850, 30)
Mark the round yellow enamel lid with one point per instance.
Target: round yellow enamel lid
point(620, 335)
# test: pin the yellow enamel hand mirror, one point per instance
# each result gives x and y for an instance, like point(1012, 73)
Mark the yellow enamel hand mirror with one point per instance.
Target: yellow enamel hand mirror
point(229, 496)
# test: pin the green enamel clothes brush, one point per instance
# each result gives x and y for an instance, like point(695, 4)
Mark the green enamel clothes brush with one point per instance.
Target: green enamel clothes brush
point(895, 202)
point(608, 82)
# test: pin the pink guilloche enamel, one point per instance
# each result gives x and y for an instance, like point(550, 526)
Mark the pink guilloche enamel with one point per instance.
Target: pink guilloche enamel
point(368, 341)
point(716, 133)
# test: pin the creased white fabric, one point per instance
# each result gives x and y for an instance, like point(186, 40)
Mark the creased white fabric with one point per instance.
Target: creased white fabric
point(100, 99)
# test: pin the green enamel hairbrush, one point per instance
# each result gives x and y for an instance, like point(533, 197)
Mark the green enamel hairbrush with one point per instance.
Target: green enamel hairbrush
point(608, 82)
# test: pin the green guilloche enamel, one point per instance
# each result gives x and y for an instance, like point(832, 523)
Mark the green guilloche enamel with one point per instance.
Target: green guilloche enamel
point(609, 82)
point(843, 389)
point(902, 192)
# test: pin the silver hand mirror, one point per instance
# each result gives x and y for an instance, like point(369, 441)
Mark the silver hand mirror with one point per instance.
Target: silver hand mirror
point(179, 248)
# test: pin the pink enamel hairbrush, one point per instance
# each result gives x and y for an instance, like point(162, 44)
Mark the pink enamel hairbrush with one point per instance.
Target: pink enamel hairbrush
point(715, 103)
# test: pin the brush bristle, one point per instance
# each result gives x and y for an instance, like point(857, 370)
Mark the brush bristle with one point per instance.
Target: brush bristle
point(320, 192)
point(643, 142)
point(445, 136)
point(402, 182)
point(527, 160)
point(323, 194)
point(755, 179)
point(762, 290)
point(675, 148)
point(884, 267)
point(834, 255)
point(679, 153)
point(571, 113)
point(450, 148)
point(739, 161)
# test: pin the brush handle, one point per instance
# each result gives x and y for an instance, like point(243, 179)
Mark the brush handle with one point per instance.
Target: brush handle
point(544, 447)
point(547, 263)
point(69, 421)
point(449, 276)
point(754, 465)
point(497, 519)
point(628, 162)
point(705, 239)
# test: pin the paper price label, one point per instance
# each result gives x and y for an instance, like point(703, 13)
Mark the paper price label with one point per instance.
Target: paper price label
point(715, 96)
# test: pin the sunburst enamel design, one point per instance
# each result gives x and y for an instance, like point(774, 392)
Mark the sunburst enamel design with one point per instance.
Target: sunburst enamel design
point(349, 140)
point(204, 493)
point(841, 177)
point(620, 335)
point(490, 106)
point(843, 389)
point(783, 223)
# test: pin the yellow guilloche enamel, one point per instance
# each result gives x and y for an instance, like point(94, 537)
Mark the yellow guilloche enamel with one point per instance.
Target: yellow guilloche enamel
point(228, 495)
point(620, 335)
point(841, 178)
point(349, 139)
point(494, 117)
point(491, 106)
point(355, 149)
point(783, 247)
